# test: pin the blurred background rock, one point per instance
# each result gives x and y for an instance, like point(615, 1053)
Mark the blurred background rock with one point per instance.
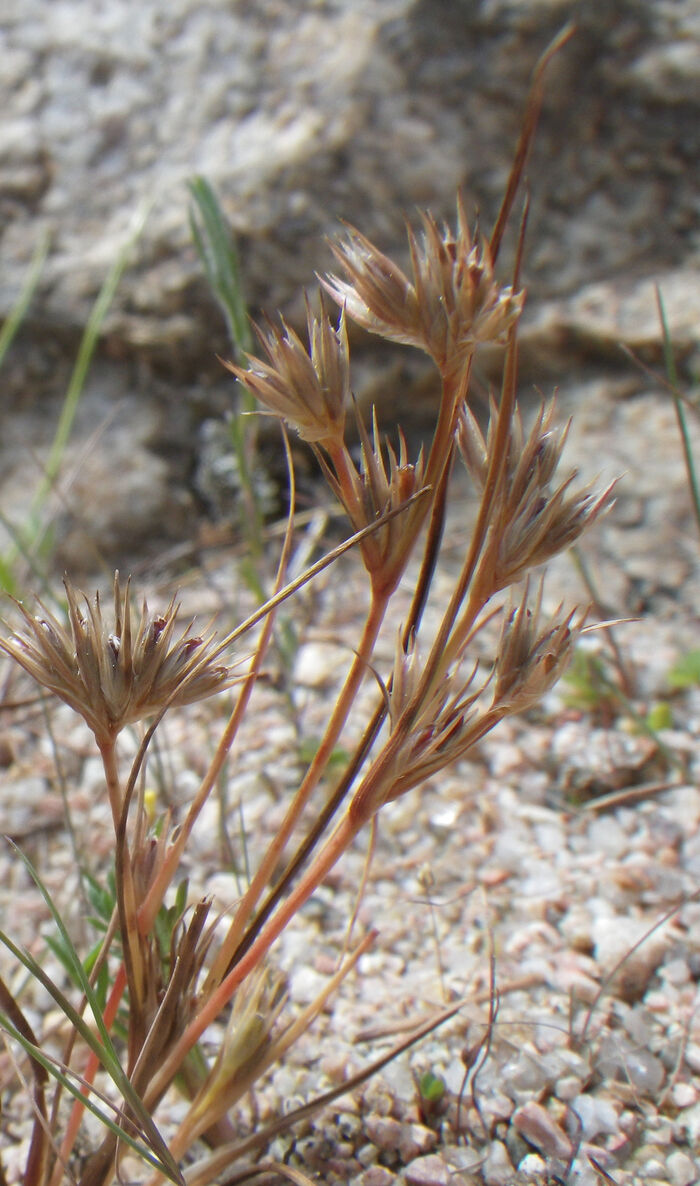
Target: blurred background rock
point(300, 114)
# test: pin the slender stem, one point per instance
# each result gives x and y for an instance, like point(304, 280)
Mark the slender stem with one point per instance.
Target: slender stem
point(319, 826)
point(173, 856)
point(430, 555)
point(126, 894)
point(165, 874)
point(219, 998)
point(334, 728)
point(107, 748)
point(450, 636)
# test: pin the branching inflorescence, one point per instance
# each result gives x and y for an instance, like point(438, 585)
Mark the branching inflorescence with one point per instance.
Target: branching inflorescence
point(433, 705)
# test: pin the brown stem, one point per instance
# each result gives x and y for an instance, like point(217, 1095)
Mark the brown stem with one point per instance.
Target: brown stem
point(334, 728)
point(126, 898)
point(445, 647)
point(35, 1164)
point(303, 852)
point(220, 997)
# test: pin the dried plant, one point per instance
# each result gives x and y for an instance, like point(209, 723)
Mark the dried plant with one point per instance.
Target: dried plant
point(177, 971)
point(451, 305)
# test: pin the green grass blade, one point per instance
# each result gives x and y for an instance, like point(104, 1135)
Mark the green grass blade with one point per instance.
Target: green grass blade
point(216, 247)
point(19, 310)
point(217, 250)
point(77, 1091)
point(101, 1046)
point(674, 386)
point(8, 578)
point(84, 357)
point(31, 540)
point(8, 331)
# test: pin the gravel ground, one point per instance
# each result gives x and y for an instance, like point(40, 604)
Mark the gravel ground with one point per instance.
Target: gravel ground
point(551, 883)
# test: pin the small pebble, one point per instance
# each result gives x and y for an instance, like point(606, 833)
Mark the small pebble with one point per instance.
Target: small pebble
point(684, 1095)
point(349, 1125)
point(343, 1168)
point(689, 1122)
point(384, 1131)
point(416, 1140)
point(681, 1168)
point(568, 1087)
point(526, 1075)
point(377, 1175)
point(615, 938)
point(645, 1071)
point(461, 1157)
point(305, 984)
point(367, 1155)
point(532, 1164)
point(316, 664)
point(427, 1171)
point(676, 971)
point(653, 1168)
point(596, 1115)
point(498, 1170)
point(536, 1125)
point(692, 1056)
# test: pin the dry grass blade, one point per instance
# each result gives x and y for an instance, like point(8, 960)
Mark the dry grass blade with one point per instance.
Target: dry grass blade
point(533, 107)
point(216, 1163)
point(39, 1143)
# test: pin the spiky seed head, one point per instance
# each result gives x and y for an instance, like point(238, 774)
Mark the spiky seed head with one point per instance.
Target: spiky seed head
point(378, 294)
point(473, 447)
point(381, 485)
point(532, 656)
point(307, 386)
point(451, 304)
point(115, 673)
point(532, 521)
point(432, 725)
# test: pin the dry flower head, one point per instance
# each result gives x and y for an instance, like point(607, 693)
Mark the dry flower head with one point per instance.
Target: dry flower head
point(114, 674)
point(450, 305)
point(308, 387)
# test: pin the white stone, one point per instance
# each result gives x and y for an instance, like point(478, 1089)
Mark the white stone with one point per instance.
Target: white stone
point(681, 1168)
point(498, 1169)
point(596, 1115)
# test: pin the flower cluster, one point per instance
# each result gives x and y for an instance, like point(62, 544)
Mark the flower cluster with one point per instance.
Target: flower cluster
point(451, 304)
point(114, 674)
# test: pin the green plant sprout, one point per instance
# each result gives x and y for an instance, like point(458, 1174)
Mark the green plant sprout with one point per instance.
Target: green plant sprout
point(431, 1096)
point(685, 672)
point(216, 247)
